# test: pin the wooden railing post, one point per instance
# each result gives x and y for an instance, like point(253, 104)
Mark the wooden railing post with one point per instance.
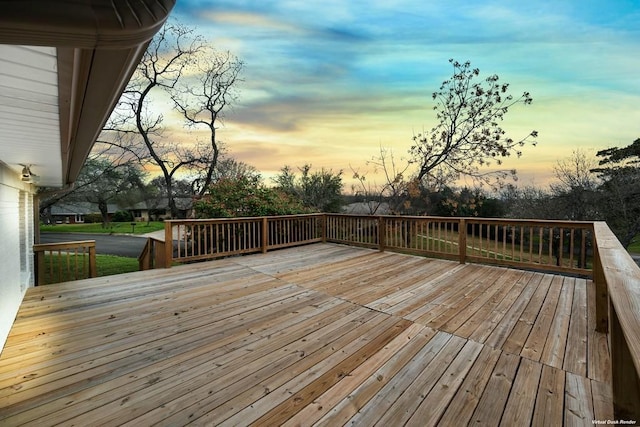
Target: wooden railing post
point(159, 254)
point(168, 244)
point(382, 231)
point(93, 270)
point(265, 234)
point(462, 240)
point(40, 274)
point(144, 259)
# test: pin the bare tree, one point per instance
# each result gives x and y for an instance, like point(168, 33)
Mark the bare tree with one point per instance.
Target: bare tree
point(202, 100)
point(575, 192)
point(111, 170)
point(468, 136)
point(576, 171)
point(173, 57)
point(367, 193)
point(228, 167)
point(400, 189)
point(101, 182)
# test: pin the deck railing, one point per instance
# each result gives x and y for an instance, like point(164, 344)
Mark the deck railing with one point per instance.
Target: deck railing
point(546, 245)
point(59, 262)
point(584, 248)
point(196, 240)
point(557, 246)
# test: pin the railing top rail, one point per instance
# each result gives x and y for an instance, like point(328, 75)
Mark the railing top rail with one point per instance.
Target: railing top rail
point(240, 219)
point(64, 245)
point(588, 224)
point(473, 219)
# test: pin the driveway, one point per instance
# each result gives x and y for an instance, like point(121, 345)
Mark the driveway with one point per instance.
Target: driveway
point(119, 244)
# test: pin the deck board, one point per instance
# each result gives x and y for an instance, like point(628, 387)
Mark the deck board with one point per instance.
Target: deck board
point(549, 404)
point(461, 407)
point(496, 393)
point(317, 335)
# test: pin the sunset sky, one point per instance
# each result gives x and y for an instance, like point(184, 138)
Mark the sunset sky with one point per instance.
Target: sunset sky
point(330, 82)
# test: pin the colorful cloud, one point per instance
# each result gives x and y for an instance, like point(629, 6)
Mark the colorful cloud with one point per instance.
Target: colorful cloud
point(330, 82)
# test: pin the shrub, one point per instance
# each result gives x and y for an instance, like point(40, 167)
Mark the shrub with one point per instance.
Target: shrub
point(122, 216)
point(244, 196)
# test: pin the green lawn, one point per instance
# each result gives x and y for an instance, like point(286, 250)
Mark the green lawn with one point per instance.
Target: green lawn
point(108, 265)
point(114, 227)
point(634, 247)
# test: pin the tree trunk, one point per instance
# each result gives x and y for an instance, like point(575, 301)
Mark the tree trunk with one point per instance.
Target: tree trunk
point(45, 215)
point(173, 207)
point(104, 212)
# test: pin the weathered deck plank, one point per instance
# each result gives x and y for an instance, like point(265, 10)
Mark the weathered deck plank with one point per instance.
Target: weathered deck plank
point(549, 403)
point(329, 399)
point(321, 334)
point(522, 397)
point(461, 407)
point(353, 401)
point(575, 359)
point(554, 348)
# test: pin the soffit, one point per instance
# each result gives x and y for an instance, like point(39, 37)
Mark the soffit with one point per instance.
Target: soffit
point(29, 114)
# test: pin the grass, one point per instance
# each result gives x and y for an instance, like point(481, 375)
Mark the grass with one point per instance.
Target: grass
point(112, 228)
point(106, 265)
point(634, 247)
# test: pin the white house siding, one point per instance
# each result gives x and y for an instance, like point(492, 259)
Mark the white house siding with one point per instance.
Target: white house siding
point(16, 254)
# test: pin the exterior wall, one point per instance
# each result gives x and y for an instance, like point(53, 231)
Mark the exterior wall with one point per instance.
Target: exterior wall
point(16, 246)
point(68, 219)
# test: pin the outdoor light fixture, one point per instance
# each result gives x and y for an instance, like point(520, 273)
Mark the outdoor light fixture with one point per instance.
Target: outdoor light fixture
point(26, 173)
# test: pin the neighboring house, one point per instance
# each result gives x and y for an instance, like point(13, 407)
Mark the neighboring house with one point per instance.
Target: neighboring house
point(63, 66)
point(158, 210)
point(75, 213)
point(367, 208)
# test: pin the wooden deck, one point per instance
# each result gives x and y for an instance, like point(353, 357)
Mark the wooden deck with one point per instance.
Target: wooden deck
point(322, 334)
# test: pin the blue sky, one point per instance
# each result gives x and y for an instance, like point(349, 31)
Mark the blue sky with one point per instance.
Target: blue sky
point(329, 82)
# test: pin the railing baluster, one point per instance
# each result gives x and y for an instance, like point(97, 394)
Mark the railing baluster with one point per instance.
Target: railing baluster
point(513, 236)
point(571, 247)
point(561, 248)
point(583, 249)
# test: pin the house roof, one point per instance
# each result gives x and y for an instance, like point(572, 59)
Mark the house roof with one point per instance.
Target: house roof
point(63, 66)
point(183, 203)
point(367, 208)
point(80, 208)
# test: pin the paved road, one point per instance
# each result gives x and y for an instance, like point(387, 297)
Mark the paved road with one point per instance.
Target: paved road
point(129, 246)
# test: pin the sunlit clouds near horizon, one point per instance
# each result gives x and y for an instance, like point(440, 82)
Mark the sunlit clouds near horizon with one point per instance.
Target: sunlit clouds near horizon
point(329, 83)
